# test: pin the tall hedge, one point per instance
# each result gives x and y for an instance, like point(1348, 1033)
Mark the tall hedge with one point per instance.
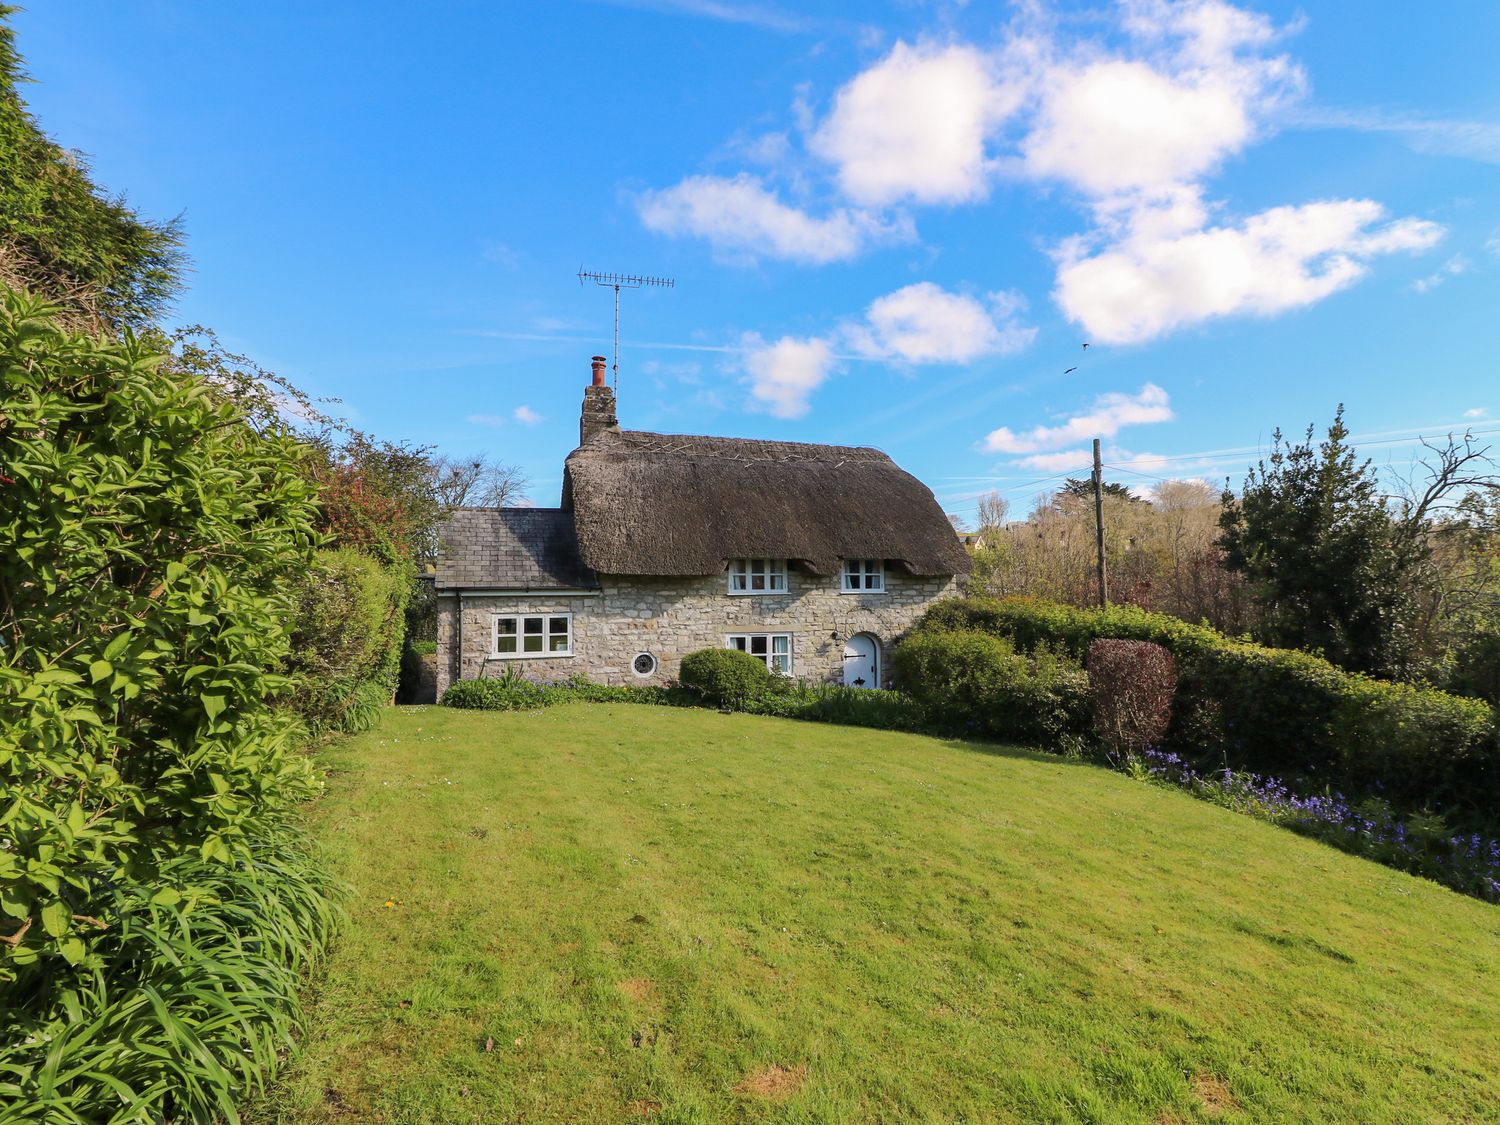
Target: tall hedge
point(347, 639)
point(1278, 711)
point(147, 543)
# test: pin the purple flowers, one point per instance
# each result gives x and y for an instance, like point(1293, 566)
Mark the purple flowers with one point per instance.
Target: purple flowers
point(1422, 845)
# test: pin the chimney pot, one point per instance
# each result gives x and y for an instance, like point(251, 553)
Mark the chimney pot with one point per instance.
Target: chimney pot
point(598, 371)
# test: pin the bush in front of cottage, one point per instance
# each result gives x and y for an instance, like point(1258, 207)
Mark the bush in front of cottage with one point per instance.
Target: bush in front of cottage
point(725, 676)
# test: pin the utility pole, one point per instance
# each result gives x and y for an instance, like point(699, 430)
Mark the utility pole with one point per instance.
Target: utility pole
point(1099, 524)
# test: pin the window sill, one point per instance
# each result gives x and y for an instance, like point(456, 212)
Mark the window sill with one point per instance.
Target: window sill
point(881, 592)
point(757, 593)
point(529, 656)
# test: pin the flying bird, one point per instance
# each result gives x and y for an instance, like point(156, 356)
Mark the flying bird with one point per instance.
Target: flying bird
point(1070, 371)
point(1085, 347)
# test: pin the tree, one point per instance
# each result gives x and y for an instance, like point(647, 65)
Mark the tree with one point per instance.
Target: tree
point(994, 509)
point(1331, 568)
point(477, 482)
point(61, 236)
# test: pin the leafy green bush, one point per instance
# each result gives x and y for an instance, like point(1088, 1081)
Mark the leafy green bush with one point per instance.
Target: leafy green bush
point(347, 640)
point(424, 648)
point(725, 676)
point(974, 680)
point(194, 999)
point(147, 537)
point(500, 693)
point(1277, 711)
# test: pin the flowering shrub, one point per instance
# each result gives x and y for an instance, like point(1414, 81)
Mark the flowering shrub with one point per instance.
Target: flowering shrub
point(1132, 684)
point(1422, 845)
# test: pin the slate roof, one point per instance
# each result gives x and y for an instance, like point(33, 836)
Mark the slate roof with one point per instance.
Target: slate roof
point(511, 549)
point(679, 504)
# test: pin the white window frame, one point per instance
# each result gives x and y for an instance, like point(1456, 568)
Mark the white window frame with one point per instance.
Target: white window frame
point(520, 635)
point(770, 656)
point(857, 574)
point(744, 572)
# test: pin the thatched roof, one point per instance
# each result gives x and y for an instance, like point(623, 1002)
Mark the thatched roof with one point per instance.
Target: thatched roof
point(510, 549)
point(666, 504)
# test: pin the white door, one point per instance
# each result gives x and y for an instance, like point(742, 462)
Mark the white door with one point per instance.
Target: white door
point(862, 661)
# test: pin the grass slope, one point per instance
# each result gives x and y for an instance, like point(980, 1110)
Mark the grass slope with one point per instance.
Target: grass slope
point(705, 917)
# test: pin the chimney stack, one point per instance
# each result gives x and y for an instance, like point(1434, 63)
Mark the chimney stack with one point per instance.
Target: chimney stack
point(598, 406)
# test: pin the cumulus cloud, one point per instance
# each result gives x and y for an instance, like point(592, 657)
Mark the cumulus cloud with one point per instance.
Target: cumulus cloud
point(1477, 412)
point(1161, 275)
point(744, 220)
point(914, 125)
point(784, 375)
point(526, 416)
point(1107, 416)
point(924, 323)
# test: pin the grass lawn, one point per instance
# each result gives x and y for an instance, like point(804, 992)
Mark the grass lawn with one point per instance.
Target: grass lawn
point(603, 912)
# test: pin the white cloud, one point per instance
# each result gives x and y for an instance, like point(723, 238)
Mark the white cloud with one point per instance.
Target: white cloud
point(744, 220)
point(1477, 412)
point(526, 416)
point(486, 420)
point(1162, 275)
point(1063, 461)
point(913, 126)
point(1492, 244)
point(924, 323)
point(784, 375)
point(1451, 268)
point(1109, 414)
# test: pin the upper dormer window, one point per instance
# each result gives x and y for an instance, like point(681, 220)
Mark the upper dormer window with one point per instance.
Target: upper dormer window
point(864, 576)
point(757, 576)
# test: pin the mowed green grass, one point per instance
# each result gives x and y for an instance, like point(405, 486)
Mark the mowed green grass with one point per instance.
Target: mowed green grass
point(604, 912)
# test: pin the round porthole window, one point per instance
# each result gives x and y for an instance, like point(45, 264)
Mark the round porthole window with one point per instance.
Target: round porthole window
point(644, 664)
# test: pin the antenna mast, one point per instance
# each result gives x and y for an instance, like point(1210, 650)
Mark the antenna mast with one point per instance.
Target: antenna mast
point(618, 281)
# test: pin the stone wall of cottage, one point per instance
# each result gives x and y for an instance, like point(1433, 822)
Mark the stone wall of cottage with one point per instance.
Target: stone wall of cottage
point(670, 617)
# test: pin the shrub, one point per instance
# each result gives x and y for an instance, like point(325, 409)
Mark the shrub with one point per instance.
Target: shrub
point(147, 537)
point(193, 1003)
point(500, 693)
point(725, 676)
point(1132, 684)
point(1277, 711)
point(976, 681)
point(347, 639)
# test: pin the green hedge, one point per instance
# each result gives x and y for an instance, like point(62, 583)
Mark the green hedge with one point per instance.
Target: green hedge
point(513, 693)
point(967, 679)
point(347, 640)
point(1277, 711)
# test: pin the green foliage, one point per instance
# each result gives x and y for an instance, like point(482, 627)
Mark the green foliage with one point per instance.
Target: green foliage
point(60, 235)
point(1276, 711)
point(147, 541)
point(978, 681)
point(193, 999)
point(725, 676)
point(347, 639)
point(423, 648)
point(511, 692)
point(1331, 568)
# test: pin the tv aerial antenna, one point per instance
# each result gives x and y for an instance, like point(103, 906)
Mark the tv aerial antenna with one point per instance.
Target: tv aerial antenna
point(618, 281)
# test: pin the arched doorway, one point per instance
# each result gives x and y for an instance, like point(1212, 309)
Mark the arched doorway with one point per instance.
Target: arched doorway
point(862, 661)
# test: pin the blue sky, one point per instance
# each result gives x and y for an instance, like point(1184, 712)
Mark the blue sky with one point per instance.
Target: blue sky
point(890, 224)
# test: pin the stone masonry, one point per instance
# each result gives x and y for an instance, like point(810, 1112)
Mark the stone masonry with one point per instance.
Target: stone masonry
point(670, 617)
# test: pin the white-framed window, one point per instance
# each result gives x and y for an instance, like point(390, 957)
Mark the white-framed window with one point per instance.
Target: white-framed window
point(529, 636)
point(757, 576)
point(863, 576)
point(774, 648)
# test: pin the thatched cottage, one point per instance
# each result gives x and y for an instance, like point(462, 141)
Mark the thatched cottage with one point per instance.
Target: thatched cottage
point(814, 558)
